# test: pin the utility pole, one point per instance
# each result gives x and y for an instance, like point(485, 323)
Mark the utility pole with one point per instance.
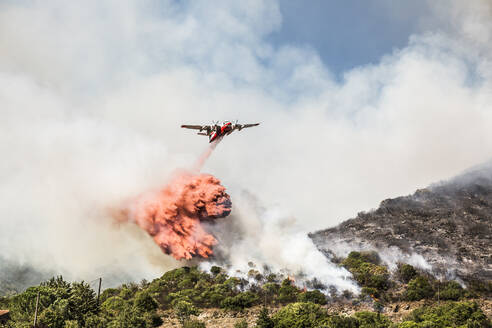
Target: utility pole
point(36, 311)
point(438, 290)
point(99, 290)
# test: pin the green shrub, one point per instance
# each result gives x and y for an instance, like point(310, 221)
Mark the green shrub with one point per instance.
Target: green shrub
point(372, 320)
point(215, 270)
point(71, 324)
point(113, 305)
point(194, 324)
point(264, 320)
point(241, 324)
point(418, 288)
point(129, 317)
point(184, 310)
point(152, 319)
point(107, 293)
point(366, 270)
point(304, 315)
point(239, 301)
point(408, 324)
point(451, 291)
point(364, 256)
point(406, 272)
point(287, 292)
point(56, 314)
point(337, 321)
point(314, 296)
point(452, 314)
point(144, 302)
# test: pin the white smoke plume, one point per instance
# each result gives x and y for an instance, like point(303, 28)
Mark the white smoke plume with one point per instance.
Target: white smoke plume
point(92, 95)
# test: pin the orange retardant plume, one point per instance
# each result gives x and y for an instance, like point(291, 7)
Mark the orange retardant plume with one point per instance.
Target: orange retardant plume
point(173, 216)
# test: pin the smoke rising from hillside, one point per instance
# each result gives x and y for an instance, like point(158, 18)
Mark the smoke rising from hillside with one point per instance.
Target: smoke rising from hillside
point(92, 96)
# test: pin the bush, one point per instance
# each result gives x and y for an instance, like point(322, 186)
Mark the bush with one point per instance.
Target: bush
point(314, 296)
point(304, 315)
point(129, 317)
point(406, 272)
point(71, 324)
point(152, 319)
point(372, 320)
point(215, 270)
point(287, 292)
point(366, 271)
point(338, 321)
point(451, 291)
point(56, 314)
point(240, 301)
point(453, 314)
point(367, 257)
point(107, 293)
point(113, 305)
point(264, 320)
point(184, 310)
point(194, 324)
point(408, 324)
point(241, 324)
point(418, 288)
point(144, 302)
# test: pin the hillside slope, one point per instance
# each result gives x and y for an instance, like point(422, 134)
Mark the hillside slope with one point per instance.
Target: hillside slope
point(449, 224)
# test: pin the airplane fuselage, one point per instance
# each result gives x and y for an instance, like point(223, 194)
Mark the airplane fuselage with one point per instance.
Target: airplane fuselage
point(221, 131)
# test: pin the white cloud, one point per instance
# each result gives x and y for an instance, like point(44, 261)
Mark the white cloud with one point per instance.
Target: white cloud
point(93, 95)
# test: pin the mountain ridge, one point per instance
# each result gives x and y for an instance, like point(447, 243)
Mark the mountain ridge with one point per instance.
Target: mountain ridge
point(448, 223)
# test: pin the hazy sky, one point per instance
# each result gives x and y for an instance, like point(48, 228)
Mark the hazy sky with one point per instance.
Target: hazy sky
point(358, 101)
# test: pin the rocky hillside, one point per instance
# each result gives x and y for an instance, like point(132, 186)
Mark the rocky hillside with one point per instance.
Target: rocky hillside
point(449, 224)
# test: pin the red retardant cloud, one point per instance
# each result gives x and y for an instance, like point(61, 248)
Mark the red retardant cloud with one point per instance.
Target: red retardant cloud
point(173, 216)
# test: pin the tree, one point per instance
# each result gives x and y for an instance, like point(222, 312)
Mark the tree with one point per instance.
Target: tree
point(144, 302)
point(287, 292)
point(406, 272)
point(306, 315)
point(451, 291)
point(56, 314)
point(338, 321)
point(372, 320)
point(264, 320)
point(239, 301)
point(184, 310)
point(82, 302)
point(366, 270)
point(314, 296)
point(419, 288)
point(452, 314)
point(215, 270)
point(130, 317)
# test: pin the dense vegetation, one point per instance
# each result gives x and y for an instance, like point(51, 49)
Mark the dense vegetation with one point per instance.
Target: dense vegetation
point(186, 291)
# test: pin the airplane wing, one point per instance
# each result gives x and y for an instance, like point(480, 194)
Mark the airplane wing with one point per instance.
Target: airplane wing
point(250, 125)
point(194, 127)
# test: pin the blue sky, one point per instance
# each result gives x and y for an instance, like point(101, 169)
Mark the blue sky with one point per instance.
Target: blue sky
point(349, 33)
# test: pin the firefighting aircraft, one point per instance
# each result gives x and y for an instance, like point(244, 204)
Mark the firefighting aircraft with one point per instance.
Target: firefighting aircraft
point(216, 130)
